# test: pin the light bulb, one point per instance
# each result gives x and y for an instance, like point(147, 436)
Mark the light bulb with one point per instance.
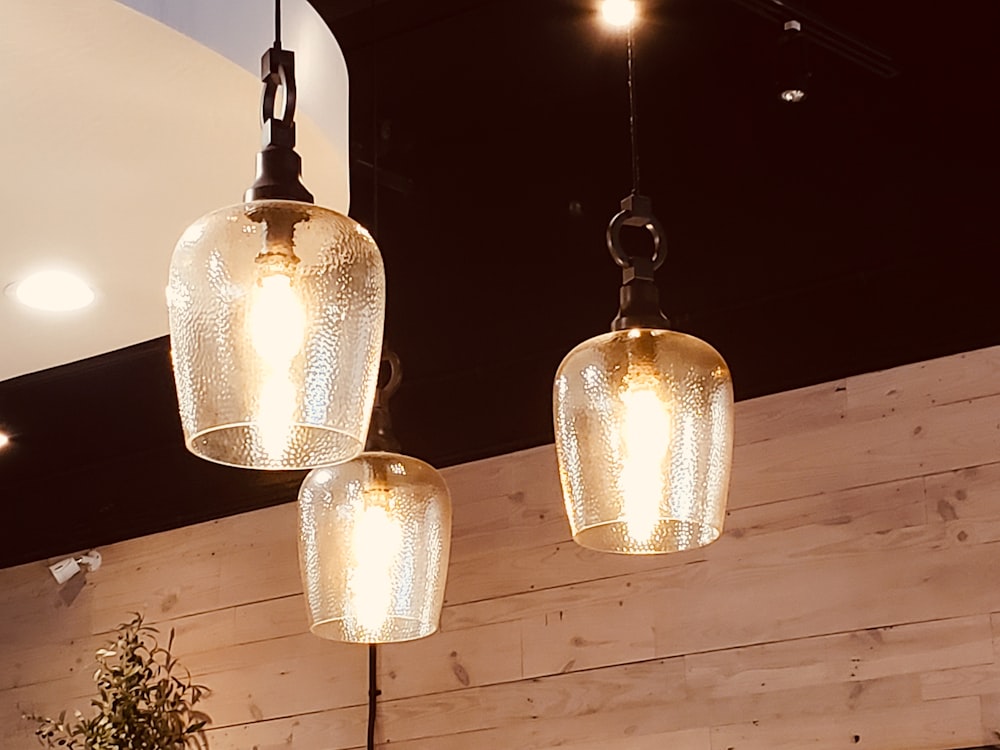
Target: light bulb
point(276, 320)
point(646, 420)
point(619, 13)
point(375, 544)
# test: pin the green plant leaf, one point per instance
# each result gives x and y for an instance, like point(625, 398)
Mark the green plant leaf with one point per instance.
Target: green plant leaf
point(140, 704)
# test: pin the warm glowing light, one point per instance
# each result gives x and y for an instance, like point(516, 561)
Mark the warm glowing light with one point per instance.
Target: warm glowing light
point(646, 421)
point(374, 538)
point(277, 322)
point(3, 440)
point(793, 95)
point(619, 13)
point(278, 400)
point(643, 428)
point(375, 543)
point(57, 291)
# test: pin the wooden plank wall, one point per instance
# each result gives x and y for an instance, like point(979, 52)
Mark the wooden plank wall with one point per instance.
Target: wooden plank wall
point(853, 601)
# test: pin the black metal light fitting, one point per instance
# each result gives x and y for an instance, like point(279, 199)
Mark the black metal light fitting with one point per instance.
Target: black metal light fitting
point(279, 167)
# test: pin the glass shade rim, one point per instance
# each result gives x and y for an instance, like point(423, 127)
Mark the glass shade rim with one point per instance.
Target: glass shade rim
point(637, 550)
point(319, 463)
point(314, 627)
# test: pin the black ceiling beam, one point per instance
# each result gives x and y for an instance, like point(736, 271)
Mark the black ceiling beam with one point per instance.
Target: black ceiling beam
point(825, 35)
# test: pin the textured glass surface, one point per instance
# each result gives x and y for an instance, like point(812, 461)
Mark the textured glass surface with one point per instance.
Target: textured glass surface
point(644, 434)
point(276, 313)
point(374, 538)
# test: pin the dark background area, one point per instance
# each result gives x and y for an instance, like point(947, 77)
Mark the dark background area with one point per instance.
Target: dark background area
point(851, 232)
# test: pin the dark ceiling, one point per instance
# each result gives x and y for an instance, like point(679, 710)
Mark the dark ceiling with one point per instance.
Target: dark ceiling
point(851, 232)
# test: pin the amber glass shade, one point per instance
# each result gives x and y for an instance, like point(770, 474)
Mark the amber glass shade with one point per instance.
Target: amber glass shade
point(644, 434)
point(374, 538)
point(276, 313)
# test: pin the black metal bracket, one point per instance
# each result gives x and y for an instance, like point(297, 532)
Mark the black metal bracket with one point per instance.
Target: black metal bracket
point(279, 167)
point(639, 298)
point(380, 433)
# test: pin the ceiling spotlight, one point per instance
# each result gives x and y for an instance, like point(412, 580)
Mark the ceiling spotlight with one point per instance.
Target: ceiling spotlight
point(56, 291)
point(620, 14)
point(63, 570)
point(793, 63)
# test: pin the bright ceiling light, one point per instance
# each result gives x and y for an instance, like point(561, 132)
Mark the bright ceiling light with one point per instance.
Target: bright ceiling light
point(57, 291)
point(3, 440)
point(619, 13)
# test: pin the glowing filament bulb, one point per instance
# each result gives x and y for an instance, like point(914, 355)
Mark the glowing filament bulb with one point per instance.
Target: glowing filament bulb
point(376, 543)
point(646, 425)
point(277, 321)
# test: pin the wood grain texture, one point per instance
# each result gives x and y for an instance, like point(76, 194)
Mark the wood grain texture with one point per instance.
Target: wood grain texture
point(851, 602)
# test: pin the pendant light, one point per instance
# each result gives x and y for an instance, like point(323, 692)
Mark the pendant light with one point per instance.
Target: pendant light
point(276, 311)
point(374, 538)
point(643, 415)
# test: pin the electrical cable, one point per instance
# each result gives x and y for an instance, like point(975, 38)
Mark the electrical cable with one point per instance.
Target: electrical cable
point(277, 24)
point(373, 694)
point(633, 118)
point(373, 691)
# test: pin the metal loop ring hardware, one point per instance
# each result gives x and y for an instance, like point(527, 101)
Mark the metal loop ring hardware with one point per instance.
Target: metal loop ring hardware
point(391, 361)
point(627, 218)
point(275, 80)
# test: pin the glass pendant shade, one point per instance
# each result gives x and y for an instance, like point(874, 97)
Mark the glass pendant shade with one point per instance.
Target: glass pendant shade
point(276, 313)
point(644, 435)
point(374, 539)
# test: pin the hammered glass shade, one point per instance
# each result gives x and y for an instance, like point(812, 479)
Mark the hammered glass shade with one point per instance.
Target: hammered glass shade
point(276, 313)
point(644, 436)
point(374, 538)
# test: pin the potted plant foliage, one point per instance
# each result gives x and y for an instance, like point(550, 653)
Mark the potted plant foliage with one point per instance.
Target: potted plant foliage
point(145, 700)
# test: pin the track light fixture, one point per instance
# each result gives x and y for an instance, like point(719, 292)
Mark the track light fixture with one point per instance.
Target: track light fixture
point(793, 64)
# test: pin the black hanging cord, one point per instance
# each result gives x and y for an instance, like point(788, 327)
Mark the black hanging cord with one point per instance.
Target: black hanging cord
point(383, 414)
point(375, 136)
point(639, 299)
point(373, 694)
point(633, 119)
point(277, 24)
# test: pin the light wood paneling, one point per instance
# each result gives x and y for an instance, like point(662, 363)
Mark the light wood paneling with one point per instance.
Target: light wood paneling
point(850, 603)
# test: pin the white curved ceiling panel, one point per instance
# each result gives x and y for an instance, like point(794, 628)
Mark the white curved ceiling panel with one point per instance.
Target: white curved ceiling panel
point(121, 130)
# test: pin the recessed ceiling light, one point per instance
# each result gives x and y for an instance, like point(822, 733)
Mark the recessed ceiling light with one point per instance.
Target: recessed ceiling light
point(54, 290)
point(619, 13)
